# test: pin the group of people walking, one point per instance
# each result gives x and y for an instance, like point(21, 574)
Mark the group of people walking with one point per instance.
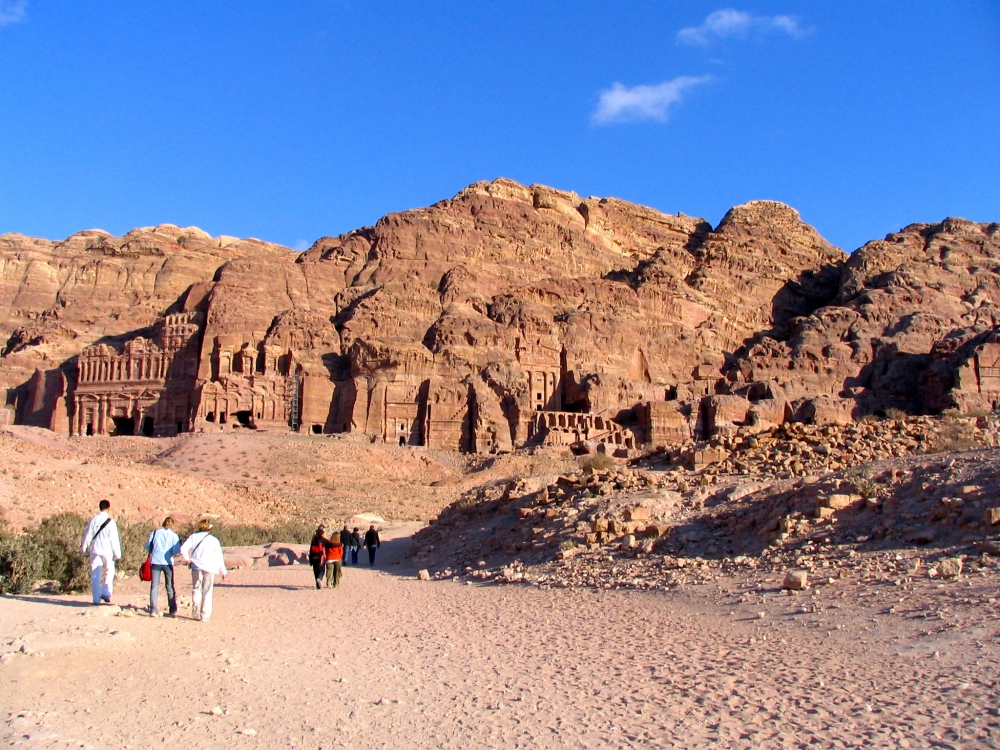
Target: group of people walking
point(328, 555)
point(201, 550)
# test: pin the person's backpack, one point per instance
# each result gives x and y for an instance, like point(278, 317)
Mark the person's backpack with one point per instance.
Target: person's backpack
point(317, 553)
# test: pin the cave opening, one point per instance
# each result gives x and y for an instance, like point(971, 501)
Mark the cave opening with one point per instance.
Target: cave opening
point(123, 426)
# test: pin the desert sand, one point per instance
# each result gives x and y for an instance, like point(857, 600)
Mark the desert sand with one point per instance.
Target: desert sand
point(387, 660)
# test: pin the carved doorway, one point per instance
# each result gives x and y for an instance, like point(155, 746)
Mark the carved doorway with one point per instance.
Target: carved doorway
point(123, 426)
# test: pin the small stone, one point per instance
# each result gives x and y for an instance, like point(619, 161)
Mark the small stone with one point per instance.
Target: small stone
point(992, 516)
point(950, 567)
point(795, 580)
point(216, 711)
point(637, 514)
point(424, 575)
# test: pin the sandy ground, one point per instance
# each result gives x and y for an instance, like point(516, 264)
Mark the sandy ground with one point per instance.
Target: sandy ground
point(241, 476)
point(390, 661)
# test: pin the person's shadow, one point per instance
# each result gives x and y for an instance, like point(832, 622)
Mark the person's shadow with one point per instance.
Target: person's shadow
point(54, 599)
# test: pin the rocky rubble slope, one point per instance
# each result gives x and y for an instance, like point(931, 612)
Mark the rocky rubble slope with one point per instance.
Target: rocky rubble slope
point(874, 492)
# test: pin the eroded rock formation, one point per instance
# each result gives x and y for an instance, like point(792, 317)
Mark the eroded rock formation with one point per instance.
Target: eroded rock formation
point(454, 326)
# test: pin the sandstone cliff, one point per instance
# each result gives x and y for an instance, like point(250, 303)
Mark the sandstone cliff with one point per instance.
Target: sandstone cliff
point(453, 326)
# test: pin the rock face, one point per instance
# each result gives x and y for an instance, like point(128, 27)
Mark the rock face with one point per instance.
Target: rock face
point(913, 326)
point(506, 315)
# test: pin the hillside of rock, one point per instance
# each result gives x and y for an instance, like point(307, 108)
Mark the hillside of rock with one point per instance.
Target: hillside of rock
point(504, 317)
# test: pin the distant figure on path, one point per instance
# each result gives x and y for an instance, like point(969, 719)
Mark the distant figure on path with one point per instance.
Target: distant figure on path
point(317, 555)
point(372, 542)
point(163, 546)
point(355, 545)
point(203, 553)
point(347, 539)
point(101, 543)
point(334, 554)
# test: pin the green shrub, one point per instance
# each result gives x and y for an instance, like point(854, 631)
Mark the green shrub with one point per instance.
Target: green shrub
point(57, 539)
point(244, 535)
point(133, 536)
point(20, 563)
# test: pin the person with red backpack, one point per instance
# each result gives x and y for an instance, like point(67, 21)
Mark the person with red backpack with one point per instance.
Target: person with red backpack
point(334, 558)
point(317, 555)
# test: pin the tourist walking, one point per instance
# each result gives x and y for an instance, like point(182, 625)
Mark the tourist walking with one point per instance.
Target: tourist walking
point(101, 543)
point(317, 555)
point(372, 542)
point(347, 540)
point(334, 554)
point(203, 552)
point(163, 546)
point(355, 545)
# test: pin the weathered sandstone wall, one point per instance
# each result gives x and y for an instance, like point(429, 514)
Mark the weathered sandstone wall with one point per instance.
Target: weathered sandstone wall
point(452, 326)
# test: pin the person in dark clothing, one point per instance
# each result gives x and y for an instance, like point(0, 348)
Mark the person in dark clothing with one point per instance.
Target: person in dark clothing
point(317, 555)
point(347, 540)
point(355, 545)
point(372, 542)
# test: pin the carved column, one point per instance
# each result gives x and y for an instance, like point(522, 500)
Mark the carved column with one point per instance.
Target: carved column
point(102, 416)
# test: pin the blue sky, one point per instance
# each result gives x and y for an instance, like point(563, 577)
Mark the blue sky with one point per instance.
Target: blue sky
point(289, 121)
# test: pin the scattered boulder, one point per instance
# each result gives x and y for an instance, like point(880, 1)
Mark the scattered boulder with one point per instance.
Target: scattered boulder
point(950, 567)
point(795, 580)
point(637, 514)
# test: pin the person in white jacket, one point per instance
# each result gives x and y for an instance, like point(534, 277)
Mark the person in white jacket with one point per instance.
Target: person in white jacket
point(203, 553)
point(101, 543)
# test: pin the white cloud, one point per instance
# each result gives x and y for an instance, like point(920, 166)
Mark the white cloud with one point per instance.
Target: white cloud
point(301, 245)
point(639, 103)
point(726, 23)
point(12, 11)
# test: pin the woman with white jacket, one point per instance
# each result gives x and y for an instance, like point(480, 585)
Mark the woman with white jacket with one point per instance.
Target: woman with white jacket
point(203, 553)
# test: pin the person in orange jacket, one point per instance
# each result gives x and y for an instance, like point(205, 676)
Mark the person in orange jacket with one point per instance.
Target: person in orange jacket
point(334, 561)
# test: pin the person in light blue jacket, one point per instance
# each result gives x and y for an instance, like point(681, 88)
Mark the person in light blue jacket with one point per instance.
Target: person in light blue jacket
point(163, 545)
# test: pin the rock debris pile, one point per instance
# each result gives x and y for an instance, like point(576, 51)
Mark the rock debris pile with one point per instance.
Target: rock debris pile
point(799, 498)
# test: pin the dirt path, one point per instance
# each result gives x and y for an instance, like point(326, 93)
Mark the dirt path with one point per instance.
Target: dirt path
point(389, 661)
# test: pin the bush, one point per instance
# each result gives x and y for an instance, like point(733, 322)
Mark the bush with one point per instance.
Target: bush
point(953, 436)
point(20, 563)
point(244, 535)
point(895, 414)
point(57, 539)
point(864, 481)
point(596, 462)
